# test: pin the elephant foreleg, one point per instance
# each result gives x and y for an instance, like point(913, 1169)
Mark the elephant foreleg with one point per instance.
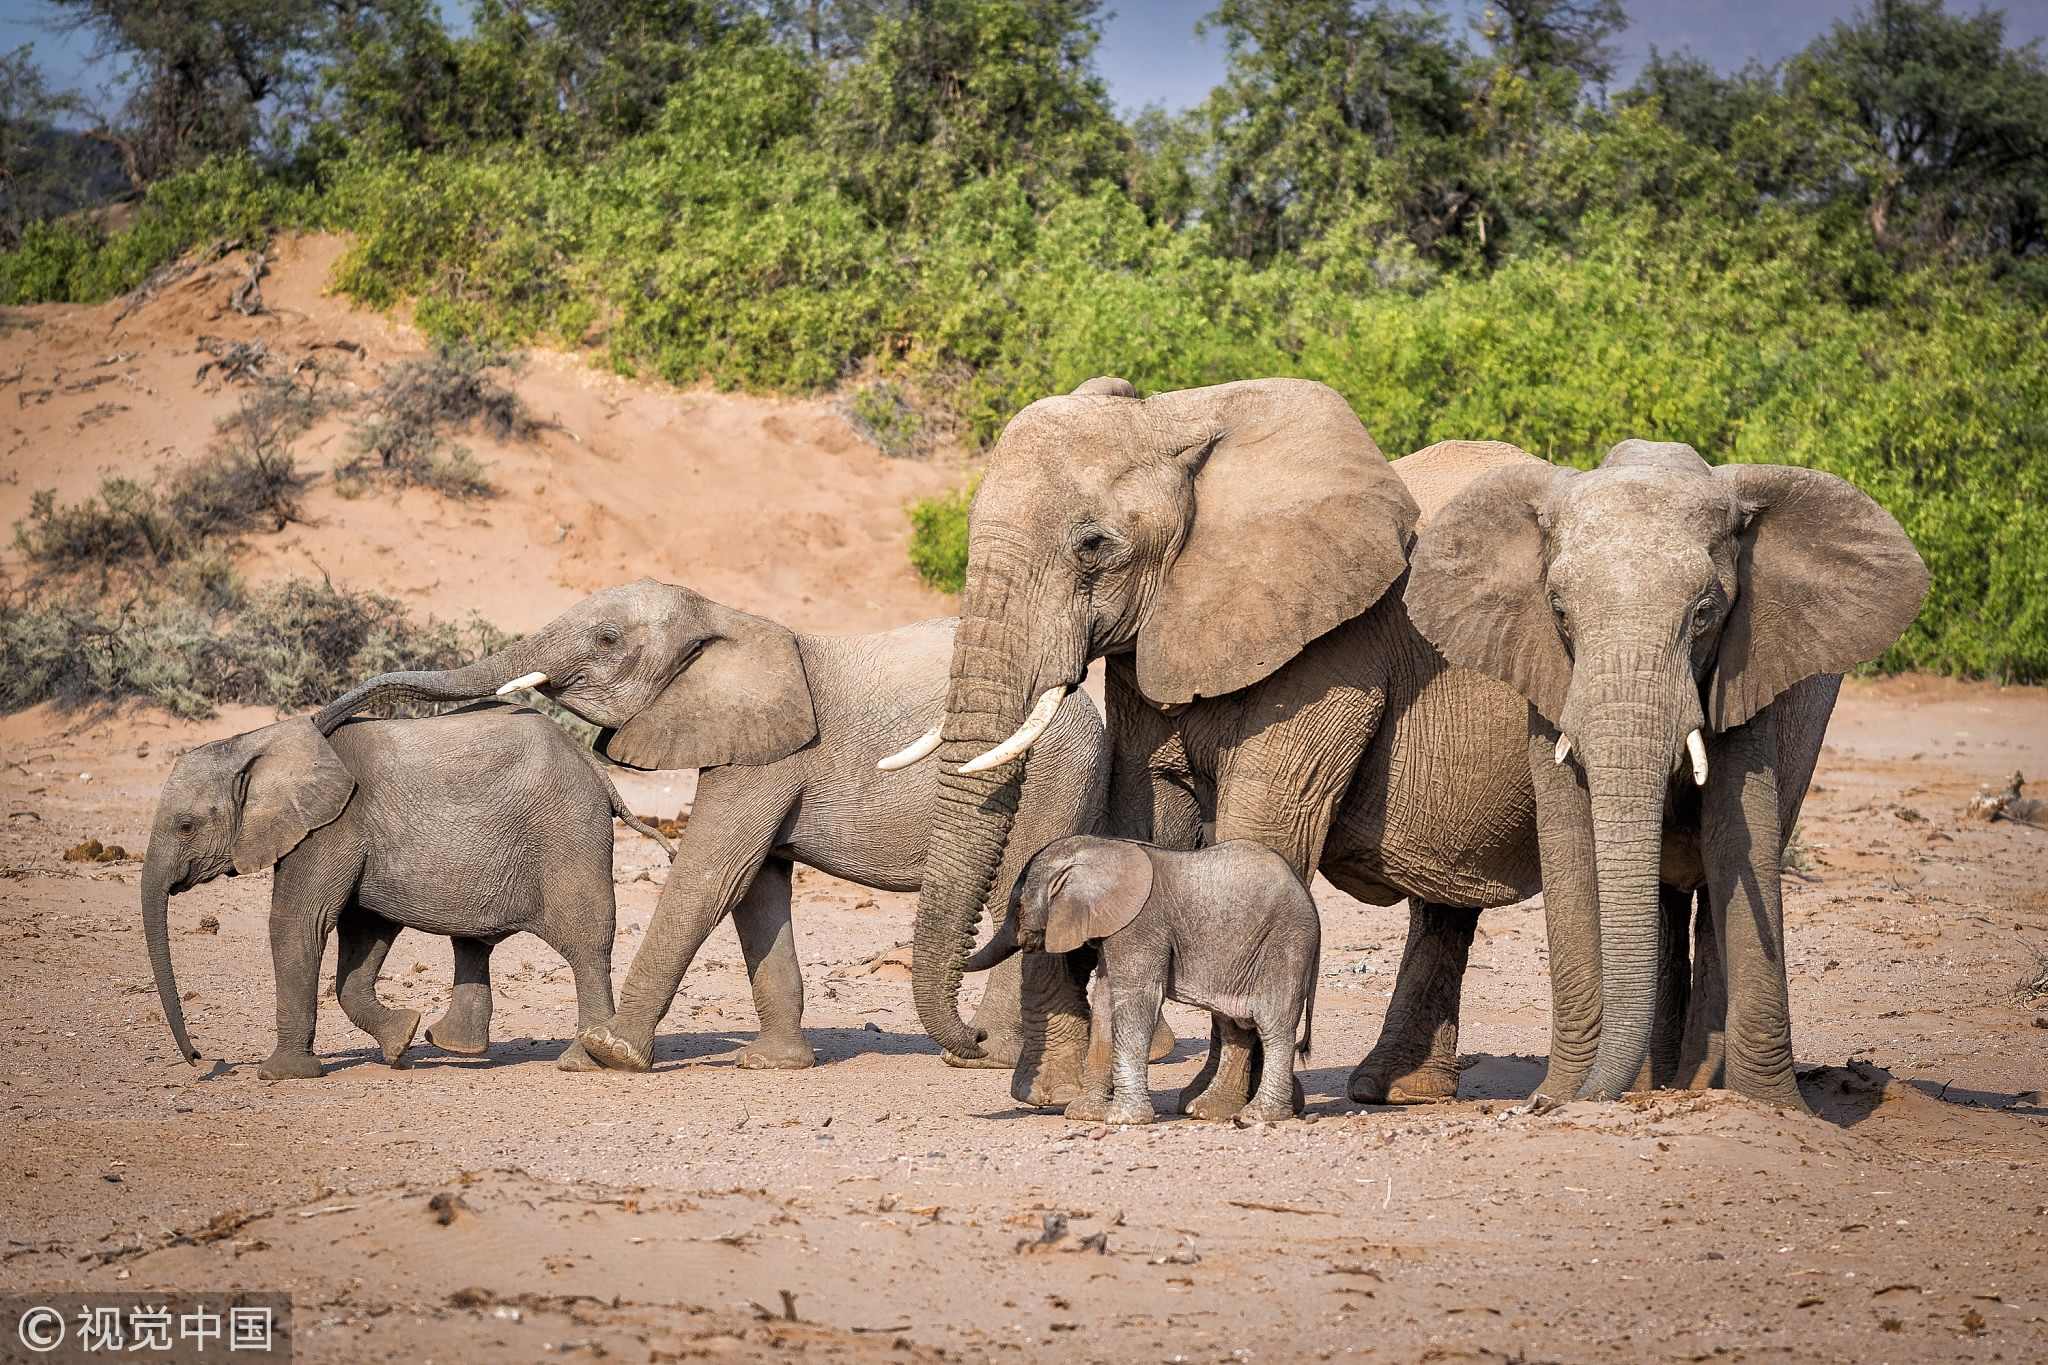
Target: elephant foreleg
point(303, 907)
point(768, 942)
point(1415, 1060)
point(1740, 842)
point(362, 941)
point(464, 1028)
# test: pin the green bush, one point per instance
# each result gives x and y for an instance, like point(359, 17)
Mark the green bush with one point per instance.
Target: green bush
point(938, 538)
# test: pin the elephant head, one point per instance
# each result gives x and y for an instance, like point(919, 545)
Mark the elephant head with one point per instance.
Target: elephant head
point(674, 679)
point(1637, 605)
point(233, 806)
point(1210, 533)
point(1072, 891)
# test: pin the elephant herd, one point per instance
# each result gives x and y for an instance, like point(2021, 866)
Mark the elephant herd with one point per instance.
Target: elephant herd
point(1456, 678)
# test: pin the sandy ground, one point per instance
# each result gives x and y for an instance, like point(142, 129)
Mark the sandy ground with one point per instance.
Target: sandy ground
point(882, 1206)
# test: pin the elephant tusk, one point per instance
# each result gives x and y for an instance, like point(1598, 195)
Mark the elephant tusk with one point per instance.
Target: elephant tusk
point(521, 683)
point(1027, 734)
point(1564, 750)
point(919, 749)
point(1697, 747)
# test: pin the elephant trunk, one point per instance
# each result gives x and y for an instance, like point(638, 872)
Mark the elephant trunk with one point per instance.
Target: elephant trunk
point(156, 898)
point(971, 822)
point(999, 949)
point(469, 683)
point(1629, 741)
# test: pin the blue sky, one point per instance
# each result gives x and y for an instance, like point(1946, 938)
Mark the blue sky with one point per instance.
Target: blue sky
point(1150, 53)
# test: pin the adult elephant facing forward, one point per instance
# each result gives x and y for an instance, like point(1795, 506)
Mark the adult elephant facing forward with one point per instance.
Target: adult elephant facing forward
point(1235, 552)
point(1679, 632)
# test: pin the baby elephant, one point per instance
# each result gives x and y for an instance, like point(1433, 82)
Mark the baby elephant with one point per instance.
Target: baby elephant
point(1229, 928)
point(477, 824)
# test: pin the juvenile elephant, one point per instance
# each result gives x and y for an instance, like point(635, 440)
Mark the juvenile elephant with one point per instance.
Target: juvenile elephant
point(1679, 632)
point(787, 731)
point(1228, 928)
point(478, 825)
point(1236, 554)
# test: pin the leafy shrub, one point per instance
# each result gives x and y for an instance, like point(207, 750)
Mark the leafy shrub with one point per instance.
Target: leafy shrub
point(400, 442)
point(248, 482)
point(882, 412)
point(938, 538)
point(291, 645)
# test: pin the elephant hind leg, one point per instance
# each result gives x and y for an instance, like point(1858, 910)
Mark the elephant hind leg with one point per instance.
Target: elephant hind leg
point(1706, 1013)
point(1415, 1060)
point(768, 943)
point(465, 1027)
point(1224, 1085)
point(1674, 990)
point(362, 941)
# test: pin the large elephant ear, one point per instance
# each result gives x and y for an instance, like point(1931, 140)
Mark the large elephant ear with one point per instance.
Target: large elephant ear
point(1476, 585)
point(290, 783)
point(1826, 580)
point(1100, 890)
point(1299, 526)
point(742, 699)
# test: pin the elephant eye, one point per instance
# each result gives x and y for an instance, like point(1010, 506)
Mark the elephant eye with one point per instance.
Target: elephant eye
point(609, 634)
point(1703, 617)
point(185, 824)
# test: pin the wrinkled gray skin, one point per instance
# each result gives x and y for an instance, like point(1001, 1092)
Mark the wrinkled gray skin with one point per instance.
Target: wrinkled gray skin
point(1235, 553)
point(1632, 605)
point(786, 731)
point(387, 825)
point(1229, 928)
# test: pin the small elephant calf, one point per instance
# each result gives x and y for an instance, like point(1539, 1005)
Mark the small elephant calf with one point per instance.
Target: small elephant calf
point(1229, 928)
point(477, 824)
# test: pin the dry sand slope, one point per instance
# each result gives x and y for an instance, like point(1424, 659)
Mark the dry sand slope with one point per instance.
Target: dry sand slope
point(910, 1211)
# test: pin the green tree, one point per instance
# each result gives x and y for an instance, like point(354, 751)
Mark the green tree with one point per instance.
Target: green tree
point(1537, 37)
point(1961, 119)
point(952, 90)
point(1326, 102)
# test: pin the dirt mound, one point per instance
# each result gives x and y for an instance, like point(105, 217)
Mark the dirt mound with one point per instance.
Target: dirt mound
point(773, 505)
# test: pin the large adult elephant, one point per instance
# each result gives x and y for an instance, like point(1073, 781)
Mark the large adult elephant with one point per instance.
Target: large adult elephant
point(1679, 632)
point(1235, 553)
point(786, 731)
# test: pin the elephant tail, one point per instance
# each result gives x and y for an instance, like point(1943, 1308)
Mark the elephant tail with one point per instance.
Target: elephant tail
point(1308, 1003)
point(625, 812)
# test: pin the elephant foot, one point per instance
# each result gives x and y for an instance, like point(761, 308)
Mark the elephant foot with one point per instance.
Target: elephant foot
point(999, 1052)
point(1212, 1105)
point(451, 1035)
point(1258, 1112)
point(289, 1066)
point(1387, 1080)
point(1162, 1042)
point(1781, 1091)
point(576, 1057)
point(777, 1054)
point(609, 1050)
point(1130, 1115)
point(1088, 1108)
point(397, 1035)
point(1051, 1081)
point(1558, 1086)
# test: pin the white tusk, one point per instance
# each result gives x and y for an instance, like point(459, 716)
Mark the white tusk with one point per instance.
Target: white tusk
point(1564, 749)
point(520, 684)
point(1697, 747)
point(920, 748)
point(1027, 734)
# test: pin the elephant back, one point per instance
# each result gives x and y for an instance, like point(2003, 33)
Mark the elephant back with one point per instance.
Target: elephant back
point(1436, 474)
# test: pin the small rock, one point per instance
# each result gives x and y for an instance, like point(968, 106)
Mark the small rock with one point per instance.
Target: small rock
point(208, 924)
